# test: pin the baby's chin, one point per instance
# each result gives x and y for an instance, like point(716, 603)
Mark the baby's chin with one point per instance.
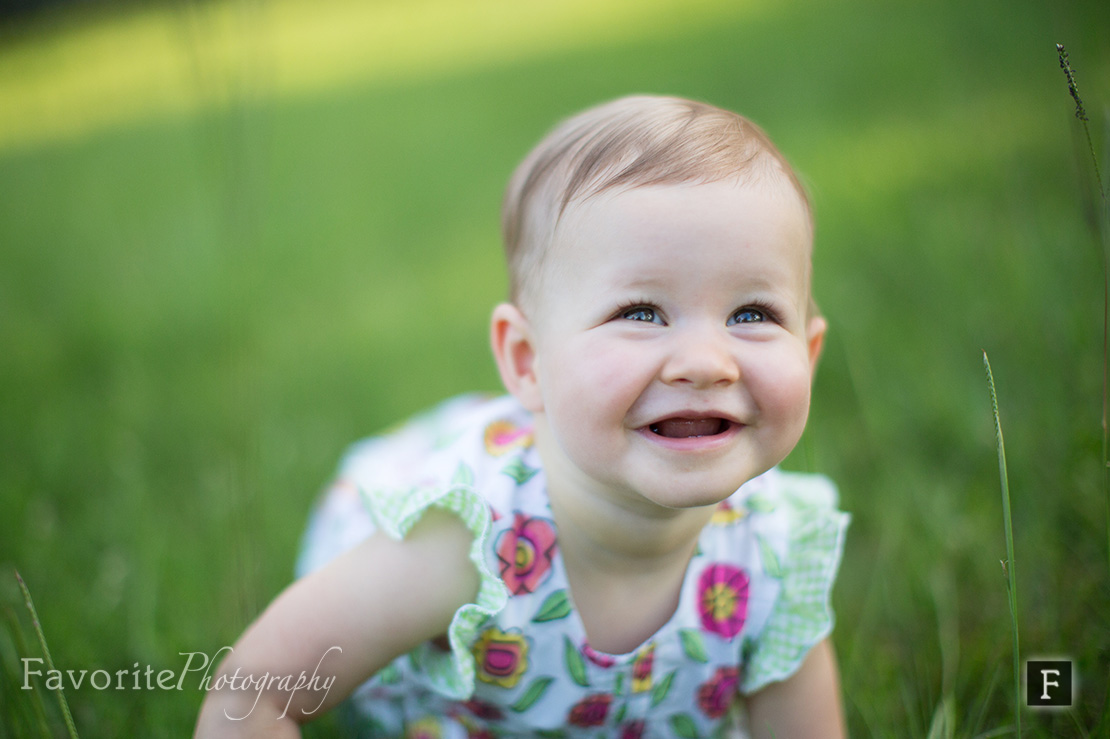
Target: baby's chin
point(691, 497)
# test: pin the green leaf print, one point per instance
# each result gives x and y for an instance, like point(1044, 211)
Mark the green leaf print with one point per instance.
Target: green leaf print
point(682, 725)
point(576, 666)
point(463, 475)
point(759, 504)
point(445, 439)
point(693, 644)
point(619, 715)
point(770, 560)
point(618, 684)
point(534, 692)
point(519, 471)
point(747, 649)
point(389, 675)
point(659, 692)
point(556, 606)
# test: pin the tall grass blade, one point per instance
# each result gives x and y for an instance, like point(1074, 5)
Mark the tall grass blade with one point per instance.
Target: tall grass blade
point(1008, 565)
point(1103, 235)
point(1080, 111)
point(1081, 731)
point(36, 706)
point(46, 654)
point(943, 725)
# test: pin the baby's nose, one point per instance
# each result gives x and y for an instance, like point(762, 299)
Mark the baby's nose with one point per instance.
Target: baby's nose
point(702, 358)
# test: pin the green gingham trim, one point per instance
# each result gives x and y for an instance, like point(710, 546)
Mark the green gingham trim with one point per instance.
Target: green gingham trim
point(802, 616)
point(395, 513)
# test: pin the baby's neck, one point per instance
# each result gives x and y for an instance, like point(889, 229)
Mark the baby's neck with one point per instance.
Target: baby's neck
point(625, 571)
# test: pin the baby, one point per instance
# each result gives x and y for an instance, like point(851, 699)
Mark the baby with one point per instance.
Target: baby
point(610, 549)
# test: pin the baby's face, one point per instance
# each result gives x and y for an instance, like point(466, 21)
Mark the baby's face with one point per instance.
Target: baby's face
point(674, 351)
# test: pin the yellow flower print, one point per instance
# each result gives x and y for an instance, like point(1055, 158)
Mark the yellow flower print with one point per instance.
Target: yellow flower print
point(725, 514)
point(641, 668)
point(426, 728)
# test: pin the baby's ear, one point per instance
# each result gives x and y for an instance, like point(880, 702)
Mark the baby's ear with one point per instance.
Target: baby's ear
point(815, 339)
point(515, 352)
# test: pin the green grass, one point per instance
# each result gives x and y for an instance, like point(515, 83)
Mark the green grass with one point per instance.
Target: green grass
point(47, 664)
point(199, 311)
point(1009, 565)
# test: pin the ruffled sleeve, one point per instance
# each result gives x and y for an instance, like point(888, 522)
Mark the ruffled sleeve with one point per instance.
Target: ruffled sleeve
point(802, 615)
point(387, 483)
point(395, 513)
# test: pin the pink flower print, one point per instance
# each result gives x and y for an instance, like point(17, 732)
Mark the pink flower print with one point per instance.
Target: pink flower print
point(504, 436)
point(591, 710)
point(633, 730)
point(716, 695)
point(599, 659)
point(483, 710)
point(641, 669)
point(475, 732)
point(501, 657)
point(525, 552)
point(723, 599)
point(474, 729)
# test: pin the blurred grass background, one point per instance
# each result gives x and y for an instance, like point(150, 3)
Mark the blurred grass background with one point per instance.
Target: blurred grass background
point(236, 236)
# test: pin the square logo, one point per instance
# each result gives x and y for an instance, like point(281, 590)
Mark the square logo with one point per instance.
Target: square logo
point(1048, 683)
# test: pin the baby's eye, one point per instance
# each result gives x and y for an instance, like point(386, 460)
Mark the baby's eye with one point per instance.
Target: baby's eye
point(748, 315)
point(641, 313)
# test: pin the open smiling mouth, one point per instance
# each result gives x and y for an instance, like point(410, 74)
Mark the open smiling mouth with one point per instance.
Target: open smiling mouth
point(689, 428)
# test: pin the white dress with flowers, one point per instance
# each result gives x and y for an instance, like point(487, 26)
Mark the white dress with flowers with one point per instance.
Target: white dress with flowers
point(754, 600)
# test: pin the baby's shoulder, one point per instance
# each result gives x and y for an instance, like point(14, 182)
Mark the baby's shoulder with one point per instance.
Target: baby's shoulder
point(448, 444)
point(780, 496)
point(784, 537)
point(464, 455)
point(473, 447)
point(776, 524)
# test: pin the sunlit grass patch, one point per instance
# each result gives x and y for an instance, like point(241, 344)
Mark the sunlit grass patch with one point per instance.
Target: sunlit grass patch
point(171, 58)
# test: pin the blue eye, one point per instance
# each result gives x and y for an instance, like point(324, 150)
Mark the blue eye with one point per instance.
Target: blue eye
point(747, 315)
point(641, 313)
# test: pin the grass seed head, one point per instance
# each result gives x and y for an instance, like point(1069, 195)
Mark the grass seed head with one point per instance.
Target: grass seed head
point(1065, 65)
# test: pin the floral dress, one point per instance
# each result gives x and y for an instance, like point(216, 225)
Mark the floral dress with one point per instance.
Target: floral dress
point(754, 600)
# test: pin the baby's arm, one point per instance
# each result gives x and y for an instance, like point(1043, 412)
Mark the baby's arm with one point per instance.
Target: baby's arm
point(804, 706)
point(377, 601)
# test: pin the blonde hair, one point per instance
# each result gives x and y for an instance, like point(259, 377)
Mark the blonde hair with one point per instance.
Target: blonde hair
point(626, 143)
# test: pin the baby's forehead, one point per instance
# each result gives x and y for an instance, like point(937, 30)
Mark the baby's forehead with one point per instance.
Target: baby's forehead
point(645, 207)
point(635, 230)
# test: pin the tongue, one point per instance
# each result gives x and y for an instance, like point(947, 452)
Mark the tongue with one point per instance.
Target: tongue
point(681, 428)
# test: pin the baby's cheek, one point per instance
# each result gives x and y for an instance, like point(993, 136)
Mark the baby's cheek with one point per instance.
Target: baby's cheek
point(580, 378)
point(783, 387)
point(602, 367)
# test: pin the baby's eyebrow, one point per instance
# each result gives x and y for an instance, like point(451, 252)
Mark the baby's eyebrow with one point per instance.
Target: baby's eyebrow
point(763, 284)
point(663, 278)
point(643, 281)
